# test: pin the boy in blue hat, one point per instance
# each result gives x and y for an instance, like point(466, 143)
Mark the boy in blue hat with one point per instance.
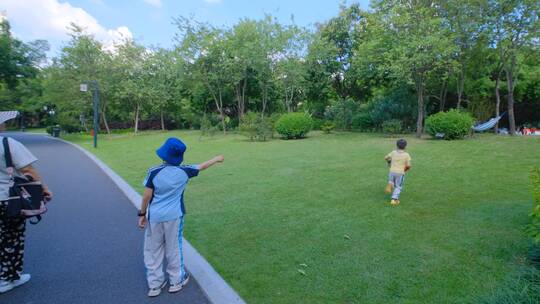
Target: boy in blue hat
point(162, 213)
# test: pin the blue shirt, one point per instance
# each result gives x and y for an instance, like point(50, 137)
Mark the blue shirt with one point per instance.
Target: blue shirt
point(168, 183)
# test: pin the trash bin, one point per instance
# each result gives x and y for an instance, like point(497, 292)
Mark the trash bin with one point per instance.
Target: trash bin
point(56, 131)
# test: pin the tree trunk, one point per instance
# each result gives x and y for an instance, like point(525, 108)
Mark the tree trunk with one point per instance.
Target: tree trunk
point(244, 96)
point(288, 100)
point(264, 100)
point(137, 110)
point(241, 97)
point(104, 114)
point(511, 86)
point(162, 122)
point(460, 85)
point(84, 125)
point(442, 96)
point(219, 103)
point(498, 105)
point(419, 80)
point(221, 115)
point(104, 117)
point(420, 120)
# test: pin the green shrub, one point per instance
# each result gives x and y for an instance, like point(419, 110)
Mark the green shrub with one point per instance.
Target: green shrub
point(449, 125)
point(294, 125)
point(70, 128)
point(534, 256)
point(70, 124)
point(342, 113)
point(393, 103)
point(256, 127)
point(318, 123)
point(327, 127)
point(533, 229)
point(392, 126)
point(273, 120)
point(207, 127)
point(363, 121)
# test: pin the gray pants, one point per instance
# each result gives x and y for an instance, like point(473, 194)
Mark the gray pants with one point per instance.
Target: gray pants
point(164, 240)
point(396, 180)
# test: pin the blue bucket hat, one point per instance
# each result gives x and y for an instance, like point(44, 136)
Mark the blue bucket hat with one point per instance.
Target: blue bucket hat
point(172, 151)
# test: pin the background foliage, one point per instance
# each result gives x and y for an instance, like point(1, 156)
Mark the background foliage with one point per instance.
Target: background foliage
point(399, 60)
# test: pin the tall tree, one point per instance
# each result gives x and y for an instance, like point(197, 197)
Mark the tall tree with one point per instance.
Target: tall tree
point(421, 43)
point(20, 67)
point(132, 85)
point(204, 49)
point(341, 32)
point(516, 26)
point(465, 20)
point(243, 41)
point(272, 41)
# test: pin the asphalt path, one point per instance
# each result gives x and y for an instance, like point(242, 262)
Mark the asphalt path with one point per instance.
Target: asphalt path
point(87, 248)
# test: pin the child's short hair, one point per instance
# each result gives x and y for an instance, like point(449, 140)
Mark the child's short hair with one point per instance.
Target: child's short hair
point(401, 144)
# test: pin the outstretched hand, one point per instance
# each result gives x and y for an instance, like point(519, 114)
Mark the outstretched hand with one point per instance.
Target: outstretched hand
point(207, 164)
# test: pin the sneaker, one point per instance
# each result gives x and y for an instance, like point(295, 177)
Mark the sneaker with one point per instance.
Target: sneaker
point(23, 279)
point(177, 287)
point(154, 292)
point(394, 202)
point(6, 286)
point(388, 188)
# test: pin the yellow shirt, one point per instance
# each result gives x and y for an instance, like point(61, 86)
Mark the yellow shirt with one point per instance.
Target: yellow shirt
point(399, 160)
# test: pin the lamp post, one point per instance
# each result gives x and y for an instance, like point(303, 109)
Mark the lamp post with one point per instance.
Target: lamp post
point(95, 98)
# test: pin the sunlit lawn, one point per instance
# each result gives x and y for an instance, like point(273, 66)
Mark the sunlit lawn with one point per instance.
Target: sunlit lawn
point(275, 210)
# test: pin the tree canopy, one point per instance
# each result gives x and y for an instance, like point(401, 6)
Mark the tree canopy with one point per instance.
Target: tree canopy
point(401, 60)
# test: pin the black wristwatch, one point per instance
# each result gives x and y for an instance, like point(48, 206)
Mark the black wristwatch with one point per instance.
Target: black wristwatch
point(141, 213)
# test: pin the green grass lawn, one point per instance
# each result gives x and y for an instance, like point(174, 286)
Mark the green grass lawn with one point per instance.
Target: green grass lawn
point(317, 205)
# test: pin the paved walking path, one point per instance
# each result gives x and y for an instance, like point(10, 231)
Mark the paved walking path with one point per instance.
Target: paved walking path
point(87, 249)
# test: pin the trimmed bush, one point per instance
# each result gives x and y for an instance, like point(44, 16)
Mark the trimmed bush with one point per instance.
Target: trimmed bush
point(392, 126)
point(449, 125)
point(294, 125)
point(256, 127)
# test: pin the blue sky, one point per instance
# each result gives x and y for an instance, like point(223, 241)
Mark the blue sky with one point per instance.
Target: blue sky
point(150, 21)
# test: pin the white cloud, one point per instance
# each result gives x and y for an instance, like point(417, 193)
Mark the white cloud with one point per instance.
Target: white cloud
point(156, 3)
point(213, 1)
point(49, 19)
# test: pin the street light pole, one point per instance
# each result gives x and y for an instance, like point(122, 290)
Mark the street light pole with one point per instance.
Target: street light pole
point(95, 95)
point(95, 98)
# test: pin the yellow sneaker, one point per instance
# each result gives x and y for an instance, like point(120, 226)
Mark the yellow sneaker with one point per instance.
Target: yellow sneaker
point(388, 188)
point(394, 202)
